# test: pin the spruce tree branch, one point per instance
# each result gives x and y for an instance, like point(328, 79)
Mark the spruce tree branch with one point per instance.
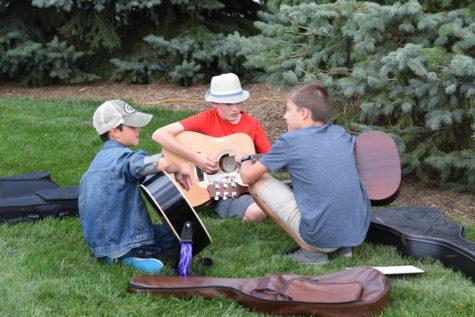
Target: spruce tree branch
point(312, 32)
point(294, 44)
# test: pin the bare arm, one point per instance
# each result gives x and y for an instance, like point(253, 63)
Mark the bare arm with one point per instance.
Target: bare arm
point(250, 173)
point(166, 137)
point(182, 176)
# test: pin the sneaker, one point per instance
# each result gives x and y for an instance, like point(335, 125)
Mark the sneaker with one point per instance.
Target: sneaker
point(347, 252)
point(107, 260)
point(285, 254)
point(307, 257)
point(146, 265)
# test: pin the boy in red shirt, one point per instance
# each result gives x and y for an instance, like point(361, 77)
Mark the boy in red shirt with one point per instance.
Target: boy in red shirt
point(226, 117)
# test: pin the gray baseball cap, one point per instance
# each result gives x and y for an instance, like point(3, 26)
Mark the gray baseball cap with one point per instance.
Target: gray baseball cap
point(112, 113)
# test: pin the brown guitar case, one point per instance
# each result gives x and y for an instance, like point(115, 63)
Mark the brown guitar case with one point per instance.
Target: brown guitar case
point(360, 291)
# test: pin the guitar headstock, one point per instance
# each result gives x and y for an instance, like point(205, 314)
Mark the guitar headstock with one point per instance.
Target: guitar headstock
point(224, 190)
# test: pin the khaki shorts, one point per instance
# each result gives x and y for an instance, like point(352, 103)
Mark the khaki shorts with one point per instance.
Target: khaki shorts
point(281, 200)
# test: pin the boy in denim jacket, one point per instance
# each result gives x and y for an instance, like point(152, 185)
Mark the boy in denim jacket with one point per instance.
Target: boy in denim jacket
point(114, 218)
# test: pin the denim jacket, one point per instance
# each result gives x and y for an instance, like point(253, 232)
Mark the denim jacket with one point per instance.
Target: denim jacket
point(113, 215)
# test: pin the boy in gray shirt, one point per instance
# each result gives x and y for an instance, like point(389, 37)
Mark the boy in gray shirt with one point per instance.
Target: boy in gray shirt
point(328, 209)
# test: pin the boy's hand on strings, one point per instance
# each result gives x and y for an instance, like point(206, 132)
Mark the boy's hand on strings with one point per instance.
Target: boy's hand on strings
point(207, 165)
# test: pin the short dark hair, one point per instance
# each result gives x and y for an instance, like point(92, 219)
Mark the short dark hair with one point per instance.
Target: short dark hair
point(315, 98)
point(105, 136)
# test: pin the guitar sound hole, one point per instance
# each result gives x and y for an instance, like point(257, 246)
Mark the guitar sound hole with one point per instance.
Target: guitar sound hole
point(227, 163)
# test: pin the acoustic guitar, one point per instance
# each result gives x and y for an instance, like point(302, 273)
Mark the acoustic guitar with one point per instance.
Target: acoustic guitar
point(173, 207)
point(376, 155)
point(224, 184)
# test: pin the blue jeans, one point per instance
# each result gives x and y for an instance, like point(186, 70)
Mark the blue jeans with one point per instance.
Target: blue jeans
point(166, 246)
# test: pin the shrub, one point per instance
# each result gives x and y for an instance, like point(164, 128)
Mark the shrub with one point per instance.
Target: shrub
point(63, 41)
point(408, 71)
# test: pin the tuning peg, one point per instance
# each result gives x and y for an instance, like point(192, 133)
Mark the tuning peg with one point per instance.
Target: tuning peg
point(225, 185)
point(225, 195)
point(233, 194)
point(216, 185)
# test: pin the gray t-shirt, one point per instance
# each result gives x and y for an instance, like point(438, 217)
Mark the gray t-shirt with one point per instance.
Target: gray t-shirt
point(335, 208)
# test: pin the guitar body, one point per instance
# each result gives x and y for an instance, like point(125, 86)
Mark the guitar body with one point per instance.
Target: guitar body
point(172, 206)
point(222, 149)
point(379, 167)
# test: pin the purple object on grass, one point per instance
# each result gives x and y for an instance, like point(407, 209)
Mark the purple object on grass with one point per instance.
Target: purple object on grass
point(184, 264)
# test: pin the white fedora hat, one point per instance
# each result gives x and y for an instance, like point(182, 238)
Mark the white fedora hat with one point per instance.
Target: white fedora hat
point(226, 88)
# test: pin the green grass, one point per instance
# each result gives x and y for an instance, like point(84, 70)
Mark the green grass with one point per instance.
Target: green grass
point(46, 269)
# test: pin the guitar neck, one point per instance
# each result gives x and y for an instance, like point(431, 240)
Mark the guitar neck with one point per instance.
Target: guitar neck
point(254, 157)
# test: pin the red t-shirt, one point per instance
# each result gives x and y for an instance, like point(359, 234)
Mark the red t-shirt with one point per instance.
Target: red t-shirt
point(208, 122)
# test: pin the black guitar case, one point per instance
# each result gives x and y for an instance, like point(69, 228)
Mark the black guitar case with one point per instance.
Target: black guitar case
point(35, 196)
point(424, 232)
point(25, 184)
